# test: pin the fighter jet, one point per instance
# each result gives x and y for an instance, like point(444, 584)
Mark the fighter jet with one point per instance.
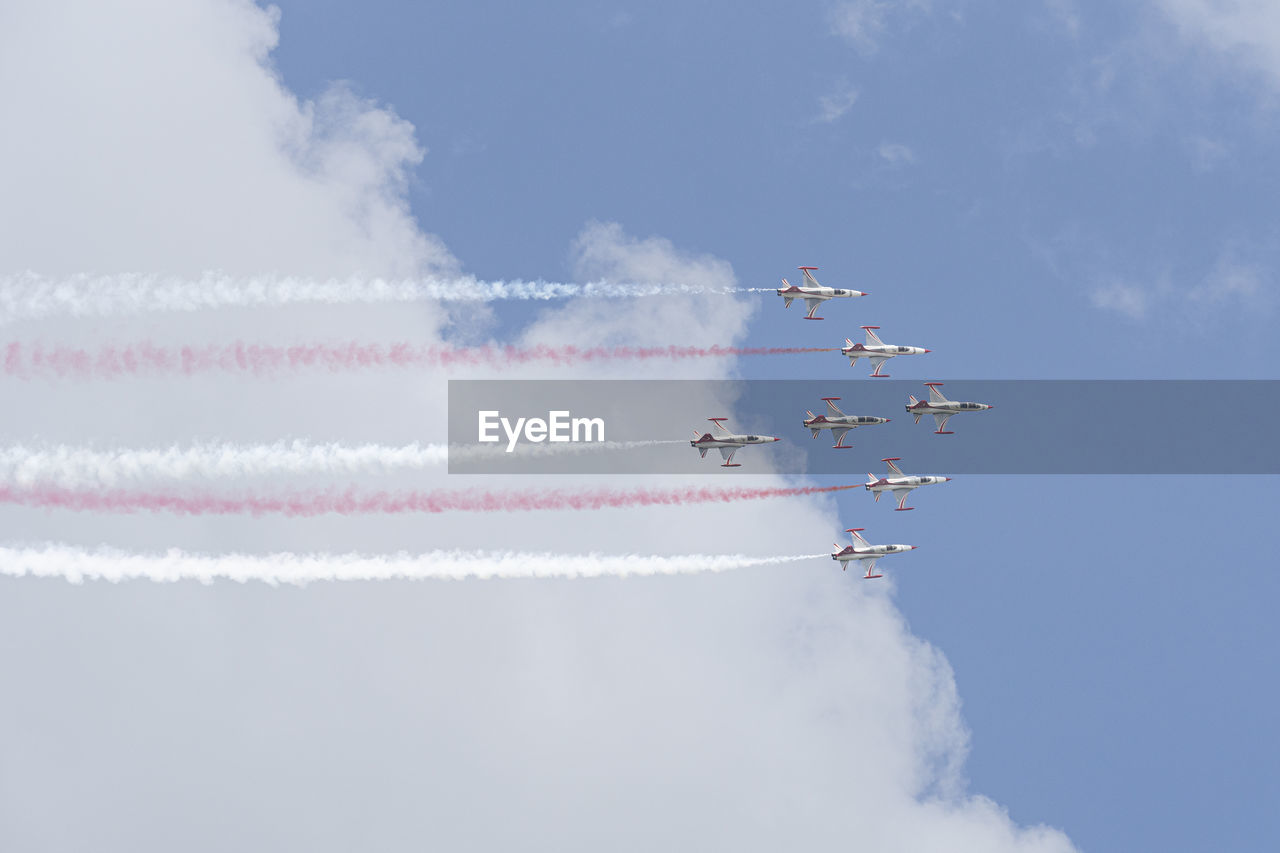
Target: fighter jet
point(898, 483)
point(941, 408)
point(838, 422)
point(876, 350)
point(864, 552)
point(812, 293)
point(727, 442)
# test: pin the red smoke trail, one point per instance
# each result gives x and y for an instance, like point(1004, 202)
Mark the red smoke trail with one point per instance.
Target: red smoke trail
point(28, 361)
point(349, 502)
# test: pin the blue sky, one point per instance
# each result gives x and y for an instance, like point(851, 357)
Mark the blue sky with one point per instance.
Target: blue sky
point(1042, 171)
point(1055, 189)
point(998, 173)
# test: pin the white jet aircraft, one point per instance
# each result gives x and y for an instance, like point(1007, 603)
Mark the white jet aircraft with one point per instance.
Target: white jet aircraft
point(838, 422)
point(727, 442)
point(941, 408)
point(898, 483)
point(864, 552)
point(877, 350)
point(812, 293)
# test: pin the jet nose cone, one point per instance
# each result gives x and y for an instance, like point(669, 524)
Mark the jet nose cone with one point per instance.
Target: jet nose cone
point(913, 547)
point(777, 439)
point(928, 350)
point(946, 479)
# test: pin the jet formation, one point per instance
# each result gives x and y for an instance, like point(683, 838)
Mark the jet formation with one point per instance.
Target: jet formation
point(877, 352)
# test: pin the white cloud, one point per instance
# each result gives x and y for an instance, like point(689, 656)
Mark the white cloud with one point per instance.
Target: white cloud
point(1237, 280)
point(1122, 297)
point(863, 22)
point(760, 709)
point(1207, 154)
point(860, 22)
point(1234, 278)
point(896, 154)
point(209, 164)
point(604, 252)
point(1066, 14)
point(835, 104)
point(1241, 33)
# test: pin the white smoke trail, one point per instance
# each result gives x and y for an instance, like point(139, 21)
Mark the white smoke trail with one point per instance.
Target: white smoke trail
point(76, 467)
point(79, 467)
point(30, 296)
point(78, 564)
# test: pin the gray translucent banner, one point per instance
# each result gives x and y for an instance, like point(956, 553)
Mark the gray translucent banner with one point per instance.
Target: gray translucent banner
point(1035, 427)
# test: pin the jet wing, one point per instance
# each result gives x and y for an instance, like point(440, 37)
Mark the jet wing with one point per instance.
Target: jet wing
point(870, 563)
point(941, 419)
point(813, 306)
point(872, 338)
point(808, 276)
point(902, 495)
point(839, 435)
point(727, 453)
point(893, 468)
point(877, 361)
point(936, 396)
point(832, 407)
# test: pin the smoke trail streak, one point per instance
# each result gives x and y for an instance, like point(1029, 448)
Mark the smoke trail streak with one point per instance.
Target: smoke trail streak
point(77, 565)
point(352, 502)
point(29, 361)
point(76, 467)
point(29, 296)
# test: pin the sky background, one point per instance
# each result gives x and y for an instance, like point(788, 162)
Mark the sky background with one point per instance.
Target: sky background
point(1061, 190)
